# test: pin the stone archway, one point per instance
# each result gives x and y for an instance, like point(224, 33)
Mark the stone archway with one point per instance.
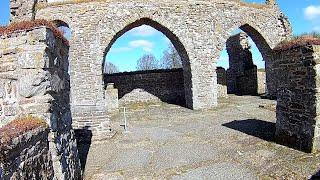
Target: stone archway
point(264, 43)
point(176, 43)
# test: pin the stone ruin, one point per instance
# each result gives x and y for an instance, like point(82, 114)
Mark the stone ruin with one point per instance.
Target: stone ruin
point(35, 61)
point(34, 80)
point(242, 75)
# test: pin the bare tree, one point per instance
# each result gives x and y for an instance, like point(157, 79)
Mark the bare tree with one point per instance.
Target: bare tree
point(110, 68)
point(147, 62)
point(171, 59)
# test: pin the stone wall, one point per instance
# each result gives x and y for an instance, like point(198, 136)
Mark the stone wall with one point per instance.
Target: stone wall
point(34, 80)
point(222, 82)
point(96, 25)
point(261, 77)
point(242, 73)
point(146, 86)
point(298, 122)
point(26, 156)
point(152, 86)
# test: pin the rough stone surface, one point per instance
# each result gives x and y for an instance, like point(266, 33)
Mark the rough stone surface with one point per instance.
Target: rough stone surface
point(38, 85)
point(234, 141)
point(146, 86)
point(198, 30)
point(261, 77)
point(298, 123)
point(222, 82)
point(112, 98)
point(242, 73)
point(27, 156)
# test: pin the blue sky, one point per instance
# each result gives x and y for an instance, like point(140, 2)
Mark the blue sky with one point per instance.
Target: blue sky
point(304, 16)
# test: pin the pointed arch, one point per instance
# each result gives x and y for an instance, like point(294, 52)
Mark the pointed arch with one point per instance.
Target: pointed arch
point(174, 40)
point(147, 21)
point(258, 39)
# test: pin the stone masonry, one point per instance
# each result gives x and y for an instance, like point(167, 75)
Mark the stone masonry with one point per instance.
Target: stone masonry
point(222, 82)
point(34, 81)
point(166, 85)
point(151, 86)
point(298, 108)
point(242, 73)
point(198, 30)
point(27, 156)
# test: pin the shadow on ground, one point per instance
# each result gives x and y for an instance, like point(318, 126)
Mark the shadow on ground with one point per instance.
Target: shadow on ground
point(254, 127)
point(83, 137)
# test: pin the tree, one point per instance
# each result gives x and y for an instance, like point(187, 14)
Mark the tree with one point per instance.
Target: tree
point(171, 59)
point(110, 68)
point(147, 62)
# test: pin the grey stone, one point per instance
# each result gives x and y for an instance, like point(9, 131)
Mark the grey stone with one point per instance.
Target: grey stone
point(218, 171)
point(34, 84)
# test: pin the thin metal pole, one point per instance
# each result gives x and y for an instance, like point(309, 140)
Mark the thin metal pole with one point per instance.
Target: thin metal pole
point(125, 119)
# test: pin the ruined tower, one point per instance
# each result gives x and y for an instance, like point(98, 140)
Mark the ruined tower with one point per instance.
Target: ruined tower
point(242, 73)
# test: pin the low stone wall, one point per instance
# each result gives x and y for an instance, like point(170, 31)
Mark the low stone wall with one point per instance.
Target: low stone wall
point(34, 80)
point(298, 123)
point(261, 77)
point(153, 86)
point(247, 84)
point(166, 85)
point(222, 82)
point(26, 155)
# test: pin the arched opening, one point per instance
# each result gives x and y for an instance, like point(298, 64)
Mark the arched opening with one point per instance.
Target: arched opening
point(243, 64)
point(146, 62)
point(242, 83)
point(64, 28)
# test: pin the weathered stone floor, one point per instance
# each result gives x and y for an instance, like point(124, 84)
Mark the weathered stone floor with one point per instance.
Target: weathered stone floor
point(234, 141)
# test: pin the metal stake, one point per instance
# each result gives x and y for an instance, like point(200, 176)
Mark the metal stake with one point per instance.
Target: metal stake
point(125, 119)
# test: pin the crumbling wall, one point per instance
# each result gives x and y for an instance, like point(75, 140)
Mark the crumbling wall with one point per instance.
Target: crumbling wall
point(34, 80)
point(25, 154)
point(166, 85)
point(96, 29)
point(242, 73)
point(222, 82)
point(298, 97)
point(152, 86)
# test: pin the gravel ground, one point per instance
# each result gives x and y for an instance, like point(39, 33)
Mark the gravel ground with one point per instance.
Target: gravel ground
point(232, 141)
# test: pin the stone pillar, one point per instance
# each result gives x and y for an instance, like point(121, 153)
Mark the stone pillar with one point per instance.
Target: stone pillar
point(88, 103)
point(112, 99)
point(204, 80)
point(34, 81)
point(222, 82)
point(242, 73)
point(298, 122)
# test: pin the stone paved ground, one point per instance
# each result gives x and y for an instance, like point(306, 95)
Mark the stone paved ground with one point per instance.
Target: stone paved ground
point(234, 141)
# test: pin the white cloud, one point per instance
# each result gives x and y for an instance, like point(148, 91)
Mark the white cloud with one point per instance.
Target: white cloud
point(120, 49)
point(144, 44)
point(312, 12)
point(143, 31)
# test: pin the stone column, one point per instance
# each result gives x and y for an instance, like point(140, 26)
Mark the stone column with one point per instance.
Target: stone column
point(242, 73)
point(204, 80)
point(298, 123)
point(33, 74)
point(112, 99)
